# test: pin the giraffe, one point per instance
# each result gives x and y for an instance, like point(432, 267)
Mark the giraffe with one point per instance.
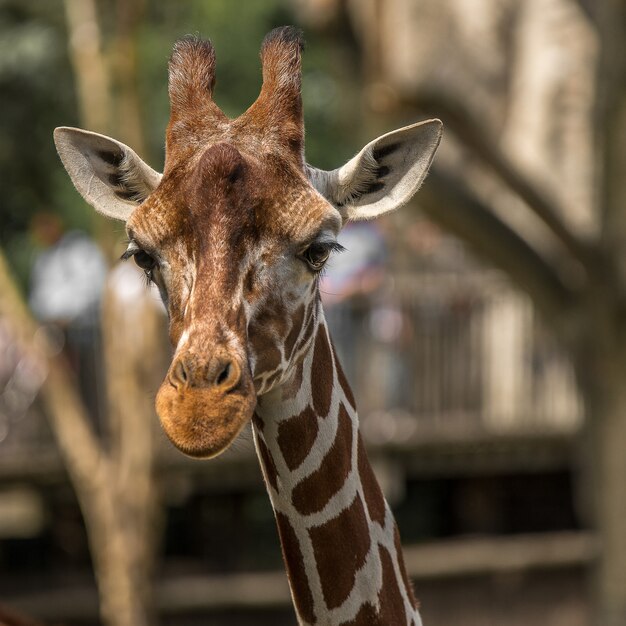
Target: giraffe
point(235, 234)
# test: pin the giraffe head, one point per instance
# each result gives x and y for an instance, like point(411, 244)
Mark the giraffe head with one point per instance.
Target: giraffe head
point(237, 229)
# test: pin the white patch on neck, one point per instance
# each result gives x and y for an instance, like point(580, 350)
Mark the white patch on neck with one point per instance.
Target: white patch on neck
point(184, 338)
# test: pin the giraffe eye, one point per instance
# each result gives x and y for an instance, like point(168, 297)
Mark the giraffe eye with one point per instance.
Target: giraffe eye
point(317, 254)
point(144, 260)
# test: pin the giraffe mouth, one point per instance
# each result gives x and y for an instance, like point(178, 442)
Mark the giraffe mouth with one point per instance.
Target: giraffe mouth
point(202, 422)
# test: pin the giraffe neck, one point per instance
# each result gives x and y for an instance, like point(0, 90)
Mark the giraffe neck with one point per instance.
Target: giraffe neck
point(339, 538)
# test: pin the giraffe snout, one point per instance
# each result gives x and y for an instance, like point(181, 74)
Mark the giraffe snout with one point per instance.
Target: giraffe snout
point(204, 403)
point(221, 372)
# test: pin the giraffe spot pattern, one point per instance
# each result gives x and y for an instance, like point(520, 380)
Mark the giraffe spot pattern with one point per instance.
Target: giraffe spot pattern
point(343, 381)
point(391, 604)
point(322, 374)
point(313, 492)
point(258, 422)
point(266, 334)
point(296, 437)
point(307, 333)
point(273, 379)
point(408, 585)
point(341, 546)
point(295, 569)
point(373, 495)
point(264, 343)
point(343, 539)
point(296, 328)
point(291, 387)
point(268, 463)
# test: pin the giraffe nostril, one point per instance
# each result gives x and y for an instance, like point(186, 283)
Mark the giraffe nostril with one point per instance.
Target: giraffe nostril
point(220, 373)
point(179, 375)
point(228, 376)
point(223, 375)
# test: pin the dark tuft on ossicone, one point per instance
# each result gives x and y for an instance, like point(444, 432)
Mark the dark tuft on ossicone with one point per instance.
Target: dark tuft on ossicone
point(191, 69)
point(281, 54)
point(286, 35)
point(191, 46)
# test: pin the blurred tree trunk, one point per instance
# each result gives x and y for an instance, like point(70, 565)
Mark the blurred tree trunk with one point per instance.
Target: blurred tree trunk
point(607, 393)
point(93, 87)
point(133, 354)
point(443, 59)
point(115, 489)
point(113, 475)
point(603, 375)
point(129, 119)
point(90, 69)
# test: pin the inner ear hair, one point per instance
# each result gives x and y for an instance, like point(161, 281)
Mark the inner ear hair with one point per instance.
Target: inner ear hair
point(370, 176)
point(128, 181)
point(117, 169)
point(384, 175)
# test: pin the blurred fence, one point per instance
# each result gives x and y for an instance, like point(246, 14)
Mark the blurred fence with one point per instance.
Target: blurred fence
point(453, 350)
point(21, 425)
point(443, 352)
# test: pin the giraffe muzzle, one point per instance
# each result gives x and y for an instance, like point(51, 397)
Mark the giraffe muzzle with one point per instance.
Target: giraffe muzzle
point(204, 404)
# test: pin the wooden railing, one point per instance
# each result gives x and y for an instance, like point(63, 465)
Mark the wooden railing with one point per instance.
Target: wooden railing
point(452, 348)
point(445, 351)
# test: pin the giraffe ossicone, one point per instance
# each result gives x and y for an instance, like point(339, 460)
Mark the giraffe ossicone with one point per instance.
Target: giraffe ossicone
point(234, 233)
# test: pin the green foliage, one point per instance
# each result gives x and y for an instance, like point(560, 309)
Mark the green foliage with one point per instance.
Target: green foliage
point(36, 86)
point(38, 94)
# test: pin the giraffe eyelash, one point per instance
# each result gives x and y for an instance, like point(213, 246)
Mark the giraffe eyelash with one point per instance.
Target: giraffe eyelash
point(127, 254)
point(131, 249)
point(144, 260)
point(336, 247)
point(317, 253)
point(333, 247)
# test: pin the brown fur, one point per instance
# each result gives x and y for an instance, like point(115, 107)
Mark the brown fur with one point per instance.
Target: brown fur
point(296, 437)
point(343, 381)
point(391, 609)
point(373, 495)
point(271, 475)
point(323, 374)
point(408, 585)
point(280, 103)
point(295, 332)
point(295, 568)
point(315, 490)
point(344, 539)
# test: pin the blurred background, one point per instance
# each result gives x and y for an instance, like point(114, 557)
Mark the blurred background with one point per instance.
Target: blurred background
point(483, 326)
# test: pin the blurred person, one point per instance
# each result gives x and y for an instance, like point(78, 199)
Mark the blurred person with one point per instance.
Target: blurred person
point(349, 286)
point(66, 285)
point(68, 274)
point(359, 271)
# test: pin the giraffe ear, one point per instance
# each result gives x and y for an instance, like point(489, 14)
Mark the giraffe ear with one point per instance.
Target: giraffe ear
point(108, 174)
point(382, 176)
